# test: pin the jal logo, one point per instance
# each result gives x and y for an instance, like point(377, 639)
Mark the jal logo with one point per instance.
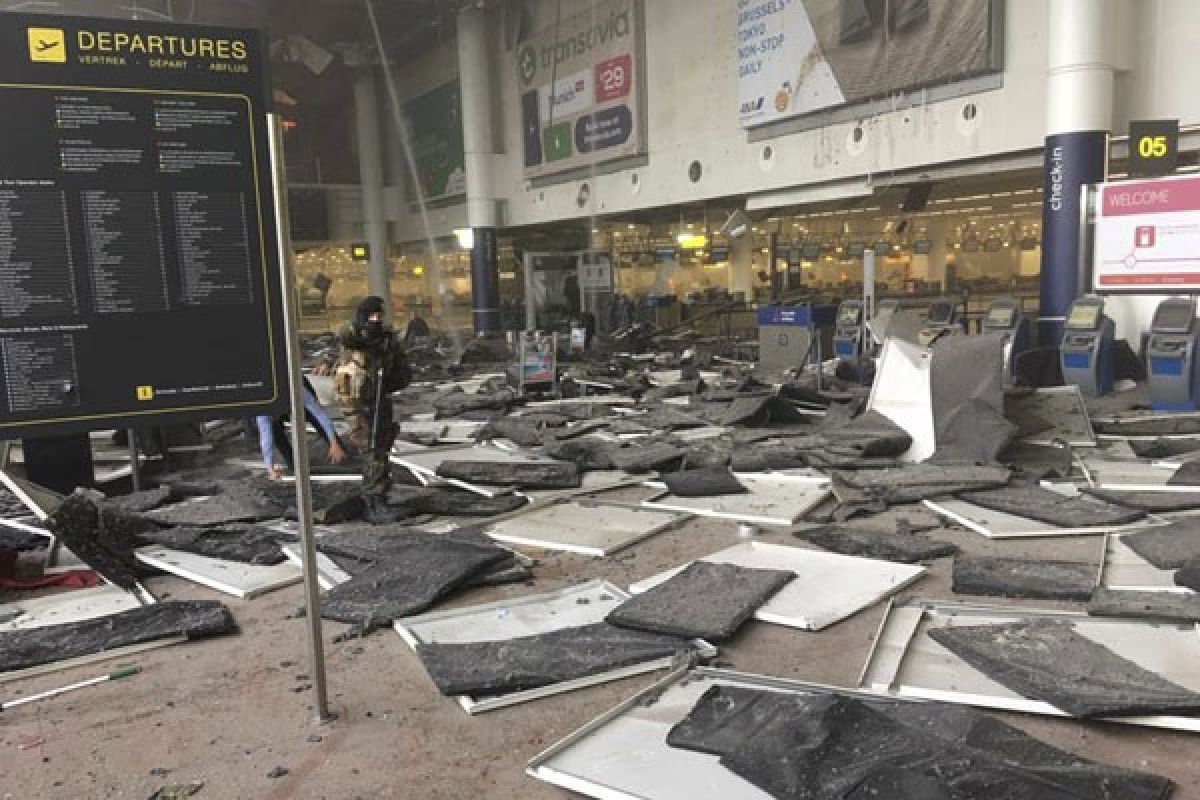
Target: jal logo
point(569, 93)
point(752, 106)
point(47, 45)
point(527, 63)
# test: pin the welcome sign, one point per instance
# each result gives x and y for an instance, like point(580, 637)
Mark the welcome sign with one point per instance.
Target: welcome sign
point(579, 81)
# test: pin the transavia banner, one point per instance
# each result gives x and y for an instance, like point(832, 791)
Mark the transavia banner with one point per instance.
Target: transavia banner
point(799, 56)
point(580, 93)
point(435, 123)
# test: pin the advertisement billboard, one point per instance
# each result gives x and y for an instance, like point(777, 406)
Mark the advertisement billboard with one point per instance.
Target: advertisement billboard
point(795, 57)
point(434, 123)
point(1147, 236)
point(579, 81)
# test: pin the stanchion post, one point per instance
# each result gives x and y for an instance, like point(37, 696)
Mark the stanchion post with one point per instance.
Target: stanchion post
point(304, 515)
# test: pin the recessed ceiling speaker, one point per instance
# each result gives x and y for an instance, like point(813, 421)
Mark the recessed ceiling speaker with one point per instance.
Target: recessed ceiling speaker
point(917, 197)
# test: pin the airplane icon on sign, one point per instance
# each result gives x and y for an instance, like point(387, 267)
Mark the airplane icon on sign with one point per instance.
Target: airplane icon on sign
point(48, 45)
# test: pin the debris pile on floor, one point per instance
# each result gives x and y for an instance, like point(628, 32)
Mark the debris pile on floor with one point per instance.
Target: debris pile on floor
point(837, 746)
point(832, 498)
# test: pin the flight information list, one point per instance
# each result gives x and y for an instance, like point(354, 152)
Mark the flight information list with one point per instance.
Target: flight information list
point(139, 276)
point(213, 253)
point(40, 372)
point(36, 269)
point(125, 252)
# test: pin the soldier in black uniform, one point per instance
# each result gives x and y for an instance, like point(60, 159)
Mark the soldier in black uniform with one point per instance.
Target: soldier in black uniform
point(373, 365)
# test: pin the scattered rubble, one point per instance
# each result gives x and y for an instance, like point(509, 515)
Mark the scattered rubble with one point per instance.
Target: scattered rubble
point(712, 433)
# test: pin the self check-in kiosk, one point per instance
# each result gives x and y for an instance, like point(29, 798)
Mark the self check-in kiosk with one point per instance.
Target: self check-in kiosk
point(1171, 356)
point(1006, 319)
point(848, 331)
point(1087, 347)
point(943, 317)
point(795, 335)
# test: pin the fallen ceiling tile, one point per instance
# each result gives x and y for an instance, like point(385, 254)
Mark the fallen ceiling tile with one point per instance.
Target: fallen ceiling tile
point(625, 752)
point(1049, 660)
point(1001, 525)
point(1167, 546)
point(828, 587)
point(1051, 415)
point(1052, 508)
point(542, 659)
point(704, 600)
point(73, 606)
point(576, 606)
point(232, 577)
point(1172, 606)
point(1125, 570)
point(1017, 577)
point(580, 527)
point(906, 662)
point(21, 649)
point(906, 548)
point(770, 499)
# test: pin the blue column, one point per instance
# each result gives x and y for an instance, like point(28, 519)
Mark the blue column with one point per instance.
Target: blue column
point(1072, 160)
point(1080, 74)
point(485, 282)
point(475, 50)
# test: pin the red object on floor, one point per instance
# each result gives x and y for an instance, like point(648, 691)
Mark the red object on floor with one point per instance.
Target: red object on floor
point(71, 579)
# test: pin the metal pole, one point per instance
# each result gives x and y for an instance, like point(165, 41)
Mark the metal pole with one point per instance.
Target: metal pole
point(868, 284)
point(530, 310)
point(304, 514)
point(1084, 277)
point(773, 266)
point(136, 475)
point(164, 438)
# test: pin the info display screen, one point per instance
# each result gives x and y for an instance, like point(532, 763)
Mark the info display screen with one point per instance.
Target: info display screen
point(1084, 317)
point(1001, 317)
point(1174, 317)
point(941, 313)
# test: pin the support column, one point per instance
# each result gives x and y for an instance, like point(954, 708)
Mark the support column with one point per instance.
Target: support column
point(938, 253)
point(741, 267)
point(479, 145)
point(1079, 109)
point(371, 173)
point(773, 267)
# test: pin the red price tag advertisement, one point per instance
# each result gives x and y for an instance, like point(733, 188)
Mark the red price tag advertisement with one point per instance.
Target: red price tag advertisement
point(614, 78)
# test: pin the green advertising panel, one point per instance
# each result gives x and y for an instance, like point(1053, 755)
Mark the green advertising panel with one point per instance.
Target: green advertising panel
point(435, 126)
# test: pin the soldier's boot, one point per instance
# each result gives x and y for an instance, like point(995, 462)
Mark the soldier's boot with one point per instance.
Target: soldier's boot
point(376, 510)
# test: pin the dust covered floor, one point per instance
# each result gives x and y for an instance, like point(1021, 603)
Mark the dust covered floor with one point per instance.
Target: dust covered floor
point(228, 711)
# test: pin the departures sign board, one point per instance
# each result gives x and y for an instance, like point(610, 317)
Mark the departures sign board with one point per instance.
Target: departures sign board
point(139, 275)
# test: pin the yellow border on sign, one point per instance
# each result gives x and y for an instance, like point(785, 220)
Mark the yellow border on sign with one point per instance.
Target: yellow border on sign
point(262, 245)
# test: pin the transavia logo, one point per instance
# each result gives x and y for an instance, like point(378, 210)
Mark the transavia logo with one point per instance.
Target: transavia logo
point(47, 45)
point(527, 62)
